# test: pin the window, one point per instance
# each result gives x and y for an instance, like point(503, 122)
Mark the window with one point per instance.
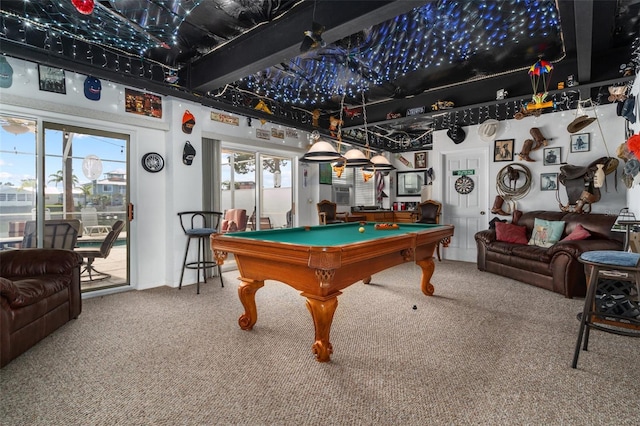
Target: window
point(365, 192)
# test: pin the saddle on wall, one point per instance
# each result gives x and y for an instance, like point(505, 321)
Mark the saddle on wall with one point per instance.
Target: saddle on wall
point(579, 182)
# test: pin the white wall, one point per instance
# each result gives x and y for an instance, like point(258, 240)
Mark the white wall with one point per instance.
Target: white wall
point(633, 194)
point(554, 127)
point(157, 241)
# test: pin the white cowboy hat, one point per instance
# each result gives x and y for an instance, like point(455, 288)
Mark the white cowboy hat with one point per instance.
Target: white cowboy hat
point(488, 130)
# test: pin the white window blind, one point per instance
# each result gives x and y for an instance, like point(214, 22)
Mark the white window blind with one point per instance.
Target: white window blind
point(365, 192)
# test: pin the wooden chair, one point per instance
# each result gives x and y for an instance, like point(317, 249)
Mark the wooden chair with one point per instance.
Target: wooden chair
point(328, 213)
point(100, 253)
point(429, 212)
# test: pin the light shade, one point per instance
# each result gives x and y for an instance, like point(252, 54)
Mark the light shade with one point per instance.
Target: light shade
point(321, 152)
point(624, 216)
point(356, 158)
point(379, 163)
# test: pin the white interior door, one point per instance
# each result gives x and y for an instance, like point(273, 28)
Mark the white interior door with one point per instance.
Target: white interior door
point(467, 209)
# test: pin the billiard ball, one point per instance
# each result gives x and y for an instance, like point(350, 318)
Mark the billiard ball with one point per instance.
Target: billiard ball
point(361, 229)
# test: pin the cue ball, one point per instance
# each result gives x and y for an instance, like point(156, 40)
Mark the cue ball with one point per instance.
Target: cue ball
point(361, 229)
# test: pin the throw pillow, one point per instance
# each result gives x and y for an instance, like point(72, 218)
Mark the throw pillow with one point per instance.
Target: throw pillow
point(578, 233)
point(492, 222)
point(546, 232)
point(509, 233)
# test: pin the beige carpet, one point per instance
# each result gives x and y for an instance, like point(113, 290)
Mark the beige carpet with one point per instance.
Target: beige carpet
point(485, 350)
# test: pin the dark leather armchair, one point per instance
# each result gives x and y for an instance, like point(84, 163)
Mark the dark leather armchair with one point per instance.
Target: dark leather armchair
point(40, 292)
point(328, 213)
point(429, 212)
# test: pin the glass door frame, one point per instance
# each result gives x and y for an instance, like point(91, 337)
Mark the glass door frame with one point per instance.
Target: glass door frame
point(41, 178)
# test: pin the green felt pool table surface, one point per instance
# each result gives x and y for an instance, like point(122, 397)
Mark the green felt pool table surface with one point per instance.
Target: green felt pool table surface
point(331, 235)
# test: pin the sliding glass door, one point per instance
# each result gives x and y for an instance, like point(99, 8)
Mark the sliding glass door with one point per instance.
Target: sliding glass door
point(276, 192)
point(85, 178)
point(17, 178)
point(271, 206)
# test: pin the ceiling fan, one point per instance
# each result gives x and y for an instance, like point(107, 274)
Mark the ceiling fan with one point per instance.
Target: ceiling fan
point(17, 126)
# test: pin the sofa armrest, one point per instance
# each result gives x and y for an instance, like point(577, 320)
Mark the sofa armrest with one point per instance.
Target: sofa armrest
point(34, 262)
point(487, 236)
point(577, 247)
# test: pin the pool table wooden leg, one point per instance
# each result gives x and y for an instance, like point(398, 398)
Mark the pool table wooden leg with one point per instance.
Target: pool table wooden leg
point(322, 310)
point(427, 266)
point(247, 292)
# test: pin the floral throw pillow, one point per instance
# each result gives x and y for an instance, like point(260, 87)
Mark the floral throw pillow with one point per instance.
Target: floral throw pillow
point(546, 232)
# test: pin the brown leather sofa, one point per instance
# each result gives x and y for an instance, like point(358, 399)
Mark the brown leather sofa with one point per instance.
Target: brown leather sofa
point(555, 268)
point(39, 293)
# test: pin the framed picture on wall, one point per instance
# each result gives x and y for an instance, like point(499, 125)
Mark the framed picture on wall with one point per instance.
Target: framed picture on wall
point(580, 142)
point(548, 181)
point(51, 79)
point(552, 156)
point(409, 184)
point(503, 150)
point(326, 173)
point(420, 160)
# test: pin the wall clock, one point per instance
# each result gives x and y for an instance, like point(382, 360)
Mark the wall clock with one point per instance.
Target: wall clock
point(464, 185)
point(152, 162)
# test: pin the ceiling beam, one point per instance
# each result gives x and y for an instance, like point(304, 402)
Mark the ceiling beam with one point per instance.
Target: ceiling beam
point(583, 11)
point(250, 53)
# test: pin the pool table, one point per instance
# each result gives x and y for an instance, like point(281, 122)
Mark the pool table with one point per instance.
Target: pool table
point(320, 261)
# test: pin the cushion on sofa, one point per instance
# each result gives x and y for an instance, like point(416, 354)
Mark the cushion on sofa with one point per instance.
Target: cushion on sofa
point(509, 233)
point(578, 233)
point(8, 289)
point(539, 254)
point(546, 233)
point(30, 290)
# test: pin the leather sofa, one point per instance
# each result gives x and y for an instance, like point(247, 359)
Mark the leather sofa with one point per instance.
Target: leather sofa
point(554, 268)
point(39, 293)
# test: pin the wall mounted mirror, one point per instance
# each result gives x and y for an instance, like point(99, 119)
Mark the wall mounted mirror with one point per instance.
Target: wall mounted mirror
point(410, 183)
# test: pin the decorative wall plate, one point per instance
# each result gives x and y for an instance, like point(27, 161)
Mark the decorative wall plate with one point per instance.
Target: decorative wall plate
point(91, 167)
point(152, 162)
point(464, 185)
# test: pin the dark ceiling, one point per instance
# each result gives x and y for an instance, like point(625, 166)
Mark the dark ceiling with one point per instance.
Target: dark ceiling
point(399, 57)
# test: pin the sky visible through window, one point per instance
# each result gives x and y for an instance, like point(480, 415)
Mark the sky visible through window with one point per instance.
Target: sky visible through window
point(18, 161)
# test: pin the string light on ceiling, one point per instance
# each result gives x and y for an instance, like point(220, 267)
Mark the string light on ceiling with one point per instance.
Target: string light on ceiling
point(437, 36)
point(355, 157)
point(377, 162)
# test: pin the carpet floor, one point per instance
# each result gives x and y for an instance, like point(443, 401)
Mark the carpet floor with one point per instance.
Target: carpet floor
point(484, 350)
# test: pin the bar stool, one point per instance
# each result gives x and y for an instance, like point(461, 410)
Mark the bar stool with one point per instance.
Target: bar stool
point(615, 312)
point(199, 225)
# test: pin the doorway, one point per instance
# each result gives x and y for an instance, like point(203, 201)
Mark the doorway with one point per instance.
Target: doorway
point(85, 178)
point(465, 195)
point(243, 172)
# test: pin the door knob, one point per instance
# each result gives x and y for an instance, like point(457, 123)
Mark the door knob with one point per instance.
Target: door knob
point(482, 213)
